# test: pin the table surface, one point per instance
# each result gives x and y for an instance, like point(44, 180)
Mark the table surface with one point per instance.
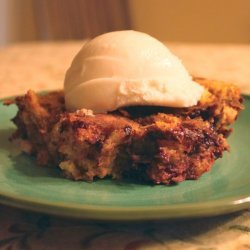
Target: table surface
point(42, 66)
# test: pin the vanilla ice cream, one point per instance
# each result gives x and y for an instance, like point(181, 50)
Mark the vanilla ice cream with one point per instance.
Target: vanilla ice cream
point(125, 68)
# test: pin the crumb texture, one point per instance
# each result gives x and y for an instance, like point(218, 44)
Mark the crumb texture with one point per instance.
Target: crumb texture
point(151, 144)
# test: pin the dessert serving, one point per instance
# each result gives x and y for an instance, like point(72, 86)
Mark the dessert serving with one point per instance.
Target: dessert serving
point(129, 109)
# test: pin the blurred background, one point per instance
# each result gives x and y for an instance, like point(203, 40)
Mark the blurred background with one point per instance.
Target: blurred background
point(215, 21)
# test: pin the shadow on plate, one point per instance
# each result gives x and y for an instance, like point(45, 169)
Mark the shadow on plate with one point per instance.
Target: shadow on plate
point(27, 166)
point(24, 164)
point(5, 143)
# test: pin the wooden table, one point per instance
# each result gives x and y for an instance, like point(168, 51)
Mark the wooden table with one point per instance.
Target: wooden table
point(41, 66)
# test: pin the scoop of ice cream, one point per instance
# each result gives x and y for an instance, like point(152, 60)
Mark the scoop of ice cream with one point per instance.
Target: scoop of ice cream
point(125, 68)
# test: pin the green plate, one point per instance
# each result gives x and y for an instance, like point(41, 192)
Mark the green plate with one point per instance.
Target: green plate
point(225, 189)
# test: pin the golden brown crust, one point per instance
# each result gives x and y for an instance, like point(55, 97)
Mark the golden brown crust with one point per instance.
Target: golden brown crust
point(161, 145)
point(220, 105)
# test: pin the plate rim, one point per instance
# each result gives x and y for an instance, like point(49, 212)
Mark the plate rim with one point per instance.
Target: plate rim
point(136, 213)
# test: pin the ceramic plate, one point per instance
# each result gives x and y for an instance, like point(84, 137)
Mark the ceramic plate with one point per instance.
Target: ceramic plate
point(226, 188)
